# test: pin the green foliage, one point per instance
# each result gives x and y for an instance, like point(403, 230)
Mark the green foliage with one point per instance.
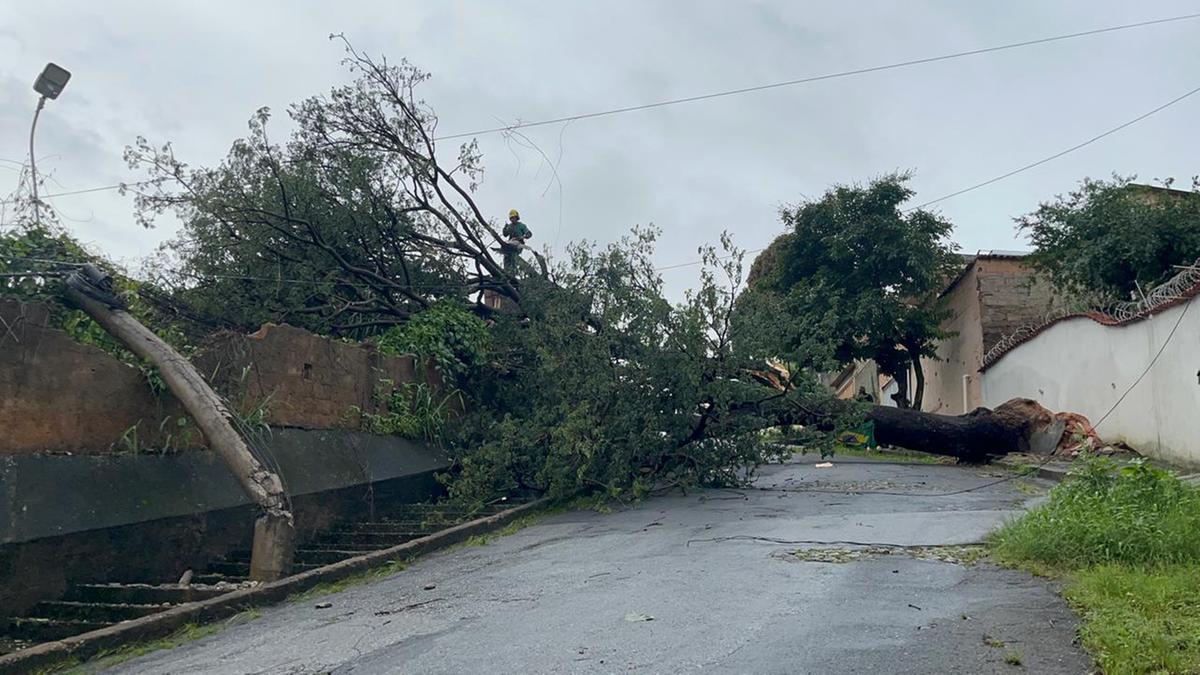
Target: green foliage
point(1104, 239)
point(1137, 515)
point(608, 386)
point(456, 340)
point(34, 248)
point(586, 376)
point(347, 227)
point(412, 411)
point(1127, 540)
point(1140, 620)
point(854, 277)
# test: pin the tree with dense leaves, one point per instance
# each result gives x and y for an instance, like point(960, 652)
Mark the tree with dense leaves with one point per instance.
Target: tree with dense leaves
point(586, 377)
point(859, 274)
point(351, 225)
point(641, 393)
point(1110, 240)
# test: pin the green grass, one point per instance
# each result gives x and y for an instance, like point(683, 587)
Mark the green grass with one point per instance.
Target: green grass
point(891, 455)
point(1136, 515)
point(1127, 541)
point(1140, 620)
point(329, 587)
point(511, 528)
point(188, 633)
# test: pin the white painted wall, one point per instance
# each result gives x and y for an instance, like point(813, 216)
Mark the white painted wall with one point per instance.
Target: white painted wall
point(1082, 366)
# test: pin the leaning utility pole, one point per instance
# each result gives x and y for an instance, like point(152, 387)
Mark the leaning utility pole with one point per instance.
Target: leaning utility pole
point(274, 531)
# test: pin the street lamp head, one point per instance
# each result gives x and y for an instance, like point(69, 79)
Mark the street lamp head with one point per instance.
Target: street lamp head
point(52, 81)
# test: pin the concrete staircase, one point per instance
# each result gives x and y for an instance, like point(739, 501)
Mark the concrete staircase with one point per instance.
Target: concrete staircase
point(87, 607)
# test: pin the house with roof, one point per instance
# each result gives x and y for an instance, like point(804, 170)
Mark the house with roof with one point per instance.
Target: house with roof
point(994, 294)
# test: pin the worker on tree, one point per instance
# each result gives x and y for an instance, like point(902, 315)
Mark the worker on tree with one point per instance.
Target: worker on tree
point(515, 232)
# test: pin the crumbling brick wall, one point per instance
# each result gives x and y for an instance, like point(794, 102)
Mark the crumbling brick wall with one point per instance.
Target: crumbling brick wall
point(57, 395)
point(308, 381)
point(60, 396)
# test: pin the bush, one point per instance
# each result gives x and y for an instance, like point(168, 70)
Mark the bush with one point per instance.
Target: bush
point(1137, 515)
point(456, 340)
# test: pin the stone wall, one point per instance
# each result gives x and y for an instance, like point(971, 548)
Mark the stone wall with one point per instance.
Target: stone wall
point(307, 381)
point(1010, 296)
point(84, 519)
point(60, 396)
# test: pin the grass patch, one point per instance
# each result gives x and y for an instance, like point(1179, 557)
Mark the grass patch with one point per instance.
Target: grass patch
point(1013, 658)
point(1139, 620)
point(891, 455)
point(1127, 541)
point(188, 633)
point(330, 587)
point(994, 643)
point(512, 528)
point(1138, 514)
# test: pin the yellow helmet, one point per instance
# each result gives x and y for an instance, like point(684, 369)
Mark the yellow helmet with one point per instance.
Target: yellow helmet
point(513, 214)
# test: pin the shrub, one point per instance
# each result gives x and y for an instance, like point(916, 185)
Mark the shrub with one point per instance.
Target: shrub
point(1138, 514)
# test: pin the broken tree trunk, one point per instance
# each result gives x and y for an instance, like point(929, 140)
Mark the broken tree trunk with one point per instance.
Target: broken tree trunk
point(274, 531)
point(1019, 425)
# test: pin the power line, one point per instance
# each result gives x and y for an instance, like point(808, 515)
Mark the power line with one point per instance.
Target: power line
point(1056, 155)
point(1009, 174)
point(815, 78)
point(1150, 365)
point(956, 193)
point(102, 188)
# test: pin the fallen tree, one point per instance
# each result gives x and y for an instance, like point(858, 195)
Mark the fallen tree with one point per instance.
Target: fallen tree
point(1019, 425)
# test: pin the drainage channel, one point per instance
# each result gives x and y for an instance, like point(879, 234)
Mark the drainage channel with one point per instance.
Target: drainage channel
point(88, 607)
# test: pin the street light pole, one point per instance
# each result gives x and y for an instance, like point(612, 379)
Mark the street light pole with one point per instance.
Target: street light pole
point(49, 84)
point(37, 217)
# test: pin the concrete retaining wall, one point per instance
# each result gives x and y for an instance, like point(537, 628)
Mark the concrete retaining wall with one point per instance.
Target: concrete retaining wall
point(1081, 365)
point(75, 519)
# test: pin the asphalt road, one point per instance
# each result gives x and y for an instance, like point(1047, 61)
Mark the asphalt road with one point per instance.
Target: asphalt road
point(571, 593)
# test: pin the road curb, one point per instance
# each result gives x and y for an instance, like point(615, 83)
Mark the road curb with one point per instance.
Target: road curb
point(160, 625)
point(1051, 471)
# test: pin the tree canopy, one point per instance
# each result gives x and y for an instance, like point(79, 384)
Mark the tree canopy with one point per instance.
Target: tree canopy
point(857, 275)
point(1107, 240)
point(352, 224)
point(585, 376)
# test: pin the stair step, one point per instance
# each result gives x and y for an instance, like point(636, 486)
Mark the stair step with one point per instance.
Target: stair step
point(105, 612)
point(230, 568)
point(214, 578)
point(407, 525)
point(318, 557)
point(145, 594)
point(363, 540)
point(37, 629)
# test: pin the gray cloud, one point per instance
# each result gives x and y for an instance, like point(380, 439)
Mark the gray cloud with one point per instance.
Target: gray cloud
point(193, 73)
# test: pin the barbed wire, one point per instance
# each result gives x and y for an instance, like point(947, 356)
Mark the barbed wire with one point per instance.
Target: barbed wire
point(1169, 291)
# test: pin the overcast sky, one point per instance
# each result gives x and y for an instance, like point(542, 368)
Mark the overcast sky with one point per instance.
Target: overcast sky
point(194, 72)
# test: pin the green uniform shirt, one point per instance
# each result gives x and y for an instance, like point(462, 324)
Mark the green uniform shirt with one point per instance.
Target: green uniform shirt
point(517, 230)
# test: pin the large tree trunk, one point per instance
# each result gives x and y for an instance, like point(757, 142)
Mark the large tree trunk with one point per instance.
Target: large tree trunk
point(1019, 425)
point(274, 532)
